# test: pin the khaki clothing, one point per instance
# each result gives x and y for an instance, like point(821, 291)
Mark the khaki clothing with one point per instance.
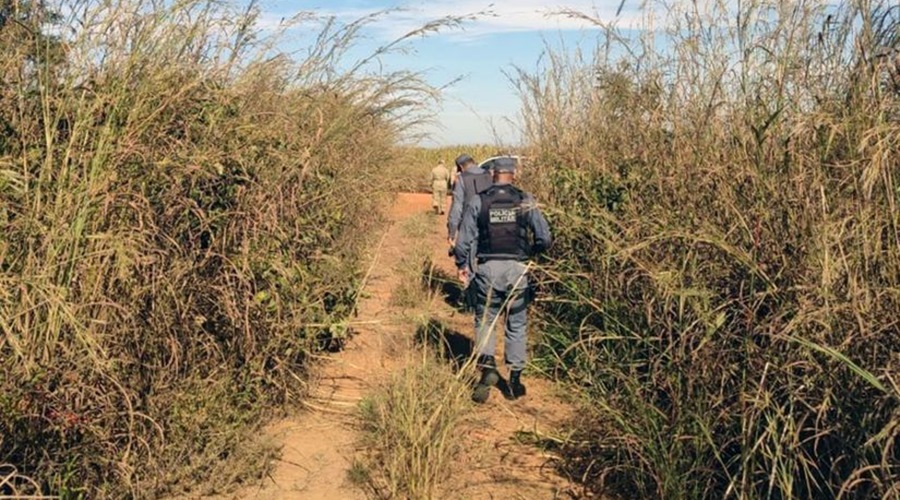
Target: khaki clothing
point(440, 181)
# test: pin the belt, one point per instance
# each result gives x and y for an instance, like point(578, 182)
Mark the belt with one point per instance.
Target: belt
point(486, 258)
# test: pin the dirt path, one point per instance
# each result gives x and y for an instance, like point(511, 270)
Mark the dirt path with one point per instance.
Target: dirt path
point(319, 445)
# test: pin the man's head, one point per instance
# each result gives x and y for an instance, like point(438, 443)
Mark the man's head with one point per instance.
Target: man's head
point(504, 170)
point(464, 162)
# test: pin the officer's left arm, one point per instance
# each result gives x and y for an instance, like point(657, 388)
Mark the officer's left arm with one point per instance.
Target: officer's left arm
point(456, 209)
point(538, 225)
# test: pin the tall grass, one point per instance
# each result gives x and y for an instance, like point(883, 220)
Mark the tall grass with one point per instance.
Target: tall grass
point(183, 212)
point(725, 285)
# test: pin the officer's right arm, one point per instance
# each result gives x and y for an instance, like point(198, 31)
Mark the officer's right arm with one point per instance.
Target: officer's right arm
point(456, 208)
point(468, 234)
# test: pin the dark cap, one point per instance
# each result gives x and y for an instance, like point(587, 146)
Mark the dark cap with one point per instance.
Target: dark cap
point(505, 164)
point(463, 159)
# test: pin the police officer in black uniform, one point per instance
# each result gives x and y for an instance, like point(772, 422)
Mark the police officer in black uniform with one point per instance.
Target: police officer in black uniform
point(501, 229)
point(471, 180)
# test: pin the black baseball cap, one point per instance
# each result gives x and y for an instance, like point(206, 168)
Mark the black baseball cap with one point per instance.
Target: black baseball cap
point(506, 164)
point(463, 159)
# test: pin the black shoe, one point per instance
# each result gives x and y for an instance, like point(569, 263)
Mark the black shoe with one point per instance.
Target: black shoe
point(489, 378)
point(515, 389)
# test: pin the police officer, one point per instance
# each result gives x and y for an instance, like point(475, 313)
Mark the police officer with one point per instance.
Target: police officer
point(440, 180)
point(501, 229)
point(471, 181)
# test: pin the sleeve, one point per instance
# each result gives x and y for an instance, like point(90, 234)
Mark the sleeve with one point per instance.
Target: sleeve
point(543, 240)
point(468, 234)
point(456, 208)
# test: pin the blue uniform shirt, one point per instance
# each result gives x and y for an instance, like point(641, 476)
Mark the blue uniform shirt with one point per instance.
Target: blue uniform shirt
point(456, 205)
point(466, 248)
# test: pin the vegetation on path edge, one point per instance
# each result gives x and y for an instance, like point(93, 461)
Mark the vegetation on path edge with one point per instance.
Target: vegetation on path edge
point(724, 289)
point(183, 210)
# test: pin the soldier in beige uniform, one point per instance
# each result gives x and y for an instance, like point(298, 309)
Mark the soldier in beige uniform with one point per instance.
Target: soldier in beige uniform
point(440, 181)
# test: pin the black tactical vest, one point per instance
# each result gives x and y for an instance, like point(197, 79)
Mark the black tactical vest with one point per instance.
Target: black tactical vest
point(502, 229)
point(475, 183)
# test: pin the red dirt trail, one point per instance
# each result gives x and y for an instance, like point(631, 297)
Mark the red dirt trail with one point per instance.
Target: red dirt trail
point(319, 445)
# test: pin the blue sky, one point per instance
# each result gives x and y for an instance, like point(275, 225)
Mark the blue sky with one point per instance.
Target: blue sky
point(482, 107)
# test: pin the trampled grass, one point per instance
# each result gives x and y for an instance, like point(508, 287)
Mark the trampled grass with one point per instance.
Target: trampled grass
point(410, 293)
point(412, 424)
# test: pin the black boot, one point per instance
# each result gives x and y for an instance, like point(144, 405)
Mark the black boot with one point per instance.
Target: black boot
point(515, 388)
point(489, 378)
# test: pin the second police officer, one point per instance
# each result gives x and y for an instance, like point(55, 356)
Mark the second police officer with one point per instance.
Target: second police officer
point(471, 180)
point(501, 229)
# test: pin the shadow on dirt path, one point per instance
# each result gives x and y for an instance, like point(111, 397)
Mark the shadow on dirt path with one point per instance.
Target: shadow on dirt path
point(441, 282)
point(452, 345)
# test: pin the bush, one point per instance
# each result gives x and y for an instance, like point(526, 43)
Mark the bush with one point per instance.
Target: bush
point(183, 215)
point(724, 287)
